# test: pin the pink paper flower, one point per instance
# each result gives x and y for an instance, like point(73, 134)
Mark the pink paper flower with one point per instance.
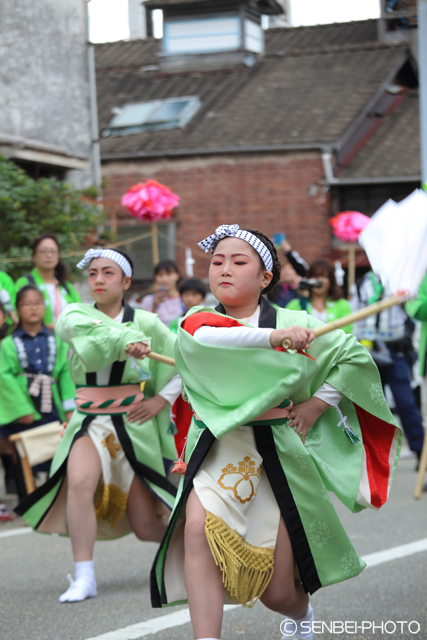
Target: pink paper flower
point(150, 201)
point(348, 225)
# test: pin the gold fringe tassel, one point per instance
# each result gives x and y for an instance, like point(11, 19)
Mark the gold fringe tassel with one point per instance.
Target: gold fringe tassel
point(246, 570)
point(111, 503)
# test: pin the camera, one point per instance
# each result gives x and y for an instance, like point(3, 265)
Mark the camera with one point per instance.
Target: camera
point(306, 284)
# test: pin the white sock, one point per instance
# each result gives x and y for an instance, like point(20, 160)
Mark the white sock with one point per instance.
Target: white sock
point(207, 638)
point(84, 586)
point(296, 628)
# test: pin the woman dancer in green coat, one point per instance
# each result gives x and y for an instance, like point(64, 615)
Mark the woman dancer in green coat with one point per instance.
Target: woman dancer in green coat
point(253, 518)
point(108, 476)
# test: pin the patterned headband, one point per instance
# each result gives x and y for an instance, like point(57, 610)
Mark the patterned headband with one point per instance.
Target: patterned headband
point(106, 253)
point(233, 231)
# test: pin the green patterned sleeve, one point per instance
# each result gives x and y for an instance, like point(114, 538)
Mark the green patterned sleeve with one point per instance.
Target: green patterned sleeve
point(96, 339)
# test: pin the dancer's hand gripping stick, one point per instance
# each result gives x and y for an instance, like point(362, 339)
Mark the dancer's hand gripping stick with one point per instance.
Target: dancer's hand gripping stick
point(154, 356)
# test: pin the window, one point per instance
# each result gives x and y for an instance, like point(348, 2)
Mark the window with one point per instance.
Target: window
point(153, 116)
point(140, 251)
point(369, 198)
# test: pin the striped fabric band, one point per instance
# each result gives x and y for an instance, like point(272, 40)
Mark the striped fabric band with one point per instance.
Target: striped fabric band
point(234, 231)
point(106, 253)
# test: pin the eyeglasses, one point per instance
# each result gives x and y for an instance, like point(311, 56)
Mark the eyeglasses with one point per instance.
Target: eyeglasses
point(33, 304)
point(48, 252)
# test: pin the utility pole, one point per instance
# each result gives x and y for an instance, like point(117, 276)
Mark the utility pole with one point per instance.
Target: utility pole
point(422, 67)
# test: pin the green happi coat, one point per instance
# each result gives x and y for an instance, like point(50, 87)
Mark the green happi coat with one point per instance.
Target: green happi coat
point(15, 400)
point(231, 387)
point(96, 341)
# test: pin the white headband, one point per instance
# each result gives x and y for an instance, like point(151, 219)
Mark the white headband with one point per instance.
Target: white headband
point(234, 231)
point(106, 253)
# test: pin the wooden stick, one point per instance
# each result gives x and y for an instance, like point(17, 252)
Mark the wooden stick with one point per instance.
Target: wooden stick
point(155, 356)
point(370, 310)
point(159, 358)
point(154, 243)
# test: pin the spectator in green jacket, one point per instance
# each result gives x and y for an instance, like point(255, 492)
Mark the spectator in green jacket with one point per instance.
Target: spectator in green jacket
point(418, 309)
point(50, 277)
point(324, 302)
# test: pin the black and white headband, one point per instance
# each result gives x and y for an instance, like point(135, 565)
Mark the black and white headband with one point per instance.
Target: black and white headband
point(233, 231)
point(115, 256)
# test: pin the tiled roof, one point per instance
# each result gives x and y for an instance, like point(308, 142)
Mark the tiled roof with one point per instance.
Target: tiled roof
point(307, 90)
point(394, 150)
point(296, 40)
point(126, 54)
point(280, 42)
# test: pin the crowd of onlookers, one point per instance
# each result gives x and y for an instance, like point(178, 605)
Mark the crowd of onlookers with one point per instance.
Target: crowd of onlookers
point(36, 388)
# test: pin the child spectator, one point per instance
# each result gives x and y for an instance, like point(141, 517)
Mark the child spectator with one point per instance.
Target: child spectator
point(166, 301)
point(35, 384)
point(193, 293)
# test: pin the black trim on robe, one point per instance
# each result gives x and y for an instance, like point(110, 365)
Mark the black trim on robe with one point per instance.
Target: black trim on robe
point(140, 469)
point(267, 315)
point(279, 484)
point(118, 368)
point(276, 476)
point(202, 449)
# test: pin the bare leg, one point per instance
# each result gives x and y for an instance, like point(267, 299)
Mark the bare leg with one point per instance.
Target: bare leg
point(142, 513)
point(284, 594)
point(83, 474)
point(202, 577)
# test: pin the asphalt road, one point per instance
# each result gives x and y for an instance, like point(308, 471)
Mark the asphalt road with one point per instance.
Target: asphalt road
point(33, 571)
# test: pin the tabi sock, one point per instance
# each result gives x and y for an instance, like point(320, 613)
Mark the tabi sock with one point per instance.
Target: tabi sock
point(84, 586)
point(301, 628)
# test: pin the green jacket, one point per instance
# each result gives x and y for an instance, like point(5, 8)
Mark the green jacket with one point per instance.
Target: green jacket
point(334, 309)
point(70, 296)
point(230, 387)
point(97, 341)
point(418, 309)
point(15, 401)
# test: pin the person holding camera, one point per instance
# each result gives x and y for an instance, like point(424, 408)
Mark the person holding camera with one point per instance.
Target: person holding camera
point(293, 269)
point(324, 300)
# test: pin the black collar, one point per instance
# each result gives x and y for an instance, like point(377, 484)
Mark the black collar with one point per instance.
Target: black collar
point(128, 314)
point(118, 367)
point(267, 316)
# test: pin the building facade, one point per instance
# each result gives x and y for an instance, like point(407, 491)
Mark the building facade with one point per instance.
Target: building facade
point(48, 117)
point(318, 121)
